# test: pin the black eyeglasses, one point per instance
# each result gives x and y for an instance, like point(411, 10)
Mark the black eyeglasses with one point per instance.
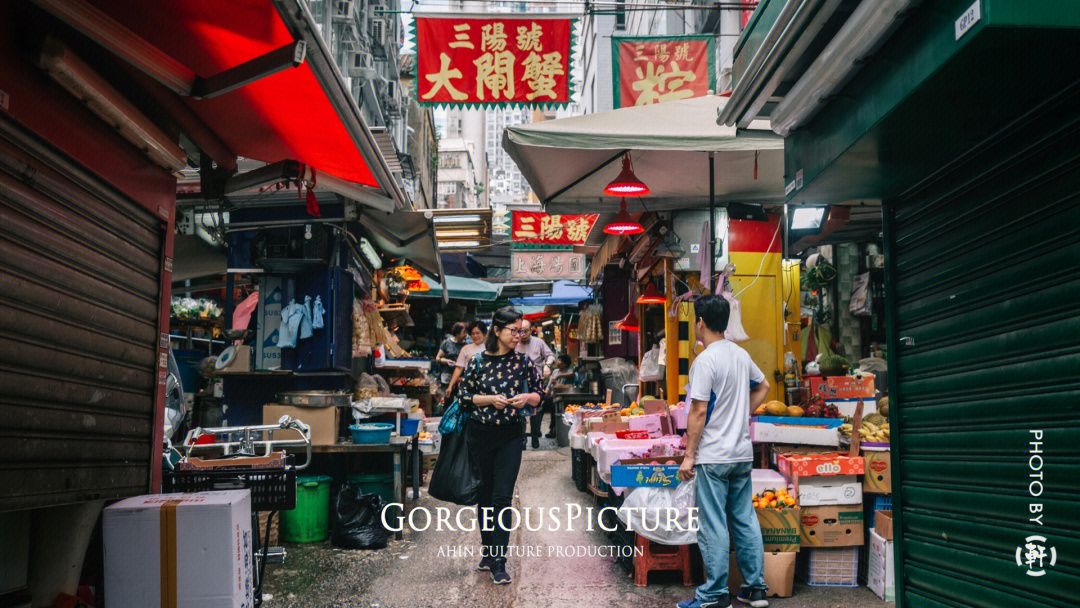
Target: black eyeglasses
point(518, 332)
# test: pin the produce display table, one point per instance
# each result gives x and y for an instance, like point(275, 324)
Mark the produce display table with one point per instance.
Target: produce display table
point(401, 448)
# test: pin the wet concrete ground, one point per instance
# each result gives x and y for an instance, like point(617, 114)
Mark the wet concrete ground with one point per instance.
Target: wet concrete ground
point(420, 571)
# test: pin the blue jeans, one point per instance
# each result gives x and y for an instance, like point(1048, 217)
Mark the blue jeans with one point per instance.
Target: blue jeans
point(724, 499)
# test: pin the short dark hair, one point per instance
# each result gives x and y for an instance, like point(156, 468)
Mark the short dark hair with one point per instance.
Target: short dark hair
point(714, 311)
point(565, 358)
point(457, 328)
point(502, 317)
point(478, 324)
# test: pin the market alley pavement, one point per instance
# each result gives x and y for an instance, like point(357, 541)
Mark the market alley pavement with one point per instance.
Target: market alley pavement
point(419, 571)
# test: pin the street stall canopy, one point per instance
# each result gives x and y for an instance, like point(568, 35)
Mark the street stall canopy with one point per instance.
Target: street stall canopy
point(258, 77)
point(407, 235)
point(569, 161)
point(563, 293)
point(461, 288)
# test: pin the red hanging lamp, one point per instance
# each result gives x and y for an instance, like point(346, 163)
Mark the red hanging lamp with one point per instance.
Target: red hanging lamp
point(651, 295)
point(629, 322)
point(623, 223)
point(626, 183)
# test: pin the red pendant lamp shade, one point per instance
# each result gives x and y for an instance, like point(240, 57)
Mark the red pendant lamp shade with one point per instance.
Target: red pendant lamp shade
point(626, 183)
point(623, 223)
point(629, 322)
point(651, 295)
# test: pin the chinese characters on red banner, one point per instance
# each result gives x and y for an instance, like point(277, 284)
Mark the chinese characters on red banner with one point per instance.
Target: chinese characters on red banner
point(653, 70)
point(493, 60)
point(541, 228)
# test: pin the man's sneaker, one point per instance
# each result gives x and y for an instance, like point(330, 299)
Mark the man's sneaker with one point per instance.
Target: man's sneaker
point(498, 573)
point(485, 564)
point(723, 602)
point(755, 598)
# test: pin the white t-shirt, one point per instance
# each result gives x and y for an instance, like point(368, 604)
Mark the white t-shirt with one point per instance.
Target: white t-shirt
point(722, 376)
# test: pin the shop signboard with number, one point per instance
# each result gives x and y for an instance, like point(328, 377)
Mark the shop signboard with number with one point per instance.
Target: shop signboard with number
point(532, 264)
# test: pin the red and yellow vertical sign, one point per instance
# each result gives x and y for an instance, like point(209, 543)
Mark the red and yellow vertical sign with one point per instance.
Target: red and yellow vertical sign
point(491, 61)
point(662, 68)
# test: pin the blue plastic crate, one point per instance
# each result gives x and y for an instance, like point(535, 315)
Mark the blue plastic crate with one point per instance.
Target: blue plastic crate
point(883, 502)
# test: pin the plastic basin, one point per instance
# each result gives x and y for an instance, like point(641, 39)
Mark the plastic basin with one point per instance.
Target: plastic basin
point(309, 522)
point(379, 483)
point(372, 432)
point(410, 426)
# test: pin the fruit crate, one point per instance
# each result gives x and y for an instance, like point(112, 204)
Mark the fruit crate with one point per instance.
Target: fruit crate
point(882, 502)
point(579, 469)
point(832, 567)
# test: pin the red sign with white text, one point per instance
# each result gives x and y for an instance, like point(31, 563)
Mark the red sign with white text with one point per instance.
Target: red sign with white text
point(656, 69)
point(493, 60)
point(545, 229)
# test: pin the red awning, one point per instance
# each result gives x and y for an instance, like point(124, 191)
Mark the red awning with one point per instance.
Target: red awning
point(284, 116)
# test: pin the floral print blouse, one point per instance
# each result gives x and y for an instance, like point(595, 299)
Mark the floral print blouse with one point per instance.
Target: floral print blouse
point(507, 375)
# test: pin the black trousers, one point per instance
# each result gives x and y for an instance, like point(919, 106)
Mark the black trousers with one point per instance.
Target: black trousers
point(498, 450)
point(547, 406)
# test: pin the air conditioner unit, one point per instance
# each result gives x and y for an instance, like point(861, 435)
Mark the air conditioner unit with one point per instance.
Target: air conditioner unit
point(361, 64)
point(344, 10)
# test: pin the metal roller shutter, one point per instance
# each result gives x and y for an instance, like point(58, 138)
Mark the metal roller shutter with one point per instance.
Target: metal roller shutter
point(79, 301)
point(984, 360)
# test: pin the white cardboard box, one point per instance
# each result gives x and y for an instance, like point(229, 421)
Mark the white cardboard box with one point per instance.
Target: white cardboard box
point(765, 432)
point(183, 550)
point(767, 479)
point(847, 407)
point(881, 576)
point(829, 490)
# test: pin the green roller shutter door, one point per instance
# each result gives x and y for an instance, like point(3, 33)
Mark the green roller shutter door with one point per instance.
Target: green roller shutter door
point(984, 285)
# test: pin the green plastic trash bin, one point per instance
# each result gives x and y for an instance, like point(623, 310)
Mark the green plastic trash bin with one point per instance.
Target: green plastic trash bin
point(379, 483)
point(309, 522)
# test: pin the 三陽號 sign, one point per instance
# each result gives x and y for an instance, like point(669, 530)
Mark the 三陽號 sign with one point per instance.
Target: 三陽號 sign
point(492, 61)
point(662, 68)
point(545, 229)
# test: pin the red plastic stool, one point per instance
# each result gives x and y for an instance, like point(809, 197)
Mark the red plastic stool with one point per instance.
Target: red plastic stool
point(652, 556)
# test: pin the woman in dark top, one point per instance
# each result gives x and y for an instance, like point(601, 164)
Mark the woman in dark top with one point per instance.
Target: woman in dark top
point(448, 352)
point(498, 384)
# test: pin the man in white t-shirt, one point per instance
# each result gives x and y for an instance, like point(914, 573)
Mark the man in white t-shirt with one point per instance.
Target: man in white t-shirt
point(725, 386)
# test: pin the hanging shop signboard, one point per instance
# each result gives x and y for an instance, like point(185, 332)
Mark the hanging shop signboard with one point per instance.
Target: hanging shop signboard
point(532, 264)
point(654, 69)
point(543, 229)
point(493, 60)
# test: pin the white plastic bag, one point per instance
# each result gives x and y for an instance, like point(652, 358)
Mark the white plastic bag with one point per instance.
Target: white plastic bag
point(652, 367)
point(661, 515)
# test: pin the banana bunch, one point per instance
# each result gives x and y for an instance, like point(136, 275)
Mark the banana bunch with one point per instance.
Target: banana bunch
point(869, 431)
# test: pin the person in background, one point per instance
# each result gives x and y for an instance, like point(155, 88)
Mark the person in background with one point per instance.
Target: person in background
point(497, 384)
point(540, 355)
point(477, 331)
point(725, 386)
point(448, 352)
point(563, 374)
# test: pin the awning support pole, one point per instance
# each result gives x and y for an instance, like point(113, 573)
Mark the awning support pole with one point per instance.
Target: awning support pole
point(585, 177)
point(712, 221)
point(289, 56)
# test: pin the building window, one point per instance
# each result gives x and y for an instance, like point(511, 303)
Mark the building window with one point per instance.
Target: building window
point(620, 15)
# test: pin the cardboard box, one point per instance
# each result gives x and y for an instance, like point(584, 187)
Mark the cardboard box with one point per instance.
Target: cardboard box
point(179, 550)
point(775, 449)
point(779, 573)
point(883, 524)
point(780, 530)
point(832, 490)
point(832, 526)
point(813, 385)
point(767, 432)
point(638, 473)
point(324, 421)
point(847, 407)
point(240, 363)
point(795, 466)
point(880, 570)
point(878, 477)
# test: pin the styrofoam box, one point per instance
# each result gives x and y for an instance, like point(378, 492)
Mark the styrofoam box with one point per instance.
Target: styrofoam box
point(847, 407)
point(831, 490)
point(881, 574)
point(207, 550)
point(763, 432)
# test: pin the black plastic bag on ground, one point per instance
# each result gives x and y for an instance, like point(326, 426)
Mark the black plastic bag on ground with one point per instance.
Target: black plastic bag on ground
point(358, 520)
point(456, 477)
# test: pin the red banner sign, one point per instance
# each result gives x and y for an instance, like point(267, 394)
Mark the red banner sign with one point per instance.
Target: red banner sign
point(493, 60)
point(539, 227)
point(655, 69)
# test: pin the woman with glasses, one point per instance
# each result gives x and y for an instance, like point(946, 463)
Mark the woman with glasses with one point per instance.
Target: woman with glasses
point(499, 388)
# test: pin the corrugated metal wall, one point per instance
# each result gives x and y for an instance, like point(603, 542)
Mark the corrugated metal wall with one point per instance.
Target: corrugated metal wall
point(984, 280)
point(79, 301)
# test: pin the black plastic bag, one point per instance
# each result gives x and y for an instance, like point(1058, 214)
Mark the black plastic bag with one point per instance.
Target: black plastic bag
point(358, 520)
point(456, 477)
